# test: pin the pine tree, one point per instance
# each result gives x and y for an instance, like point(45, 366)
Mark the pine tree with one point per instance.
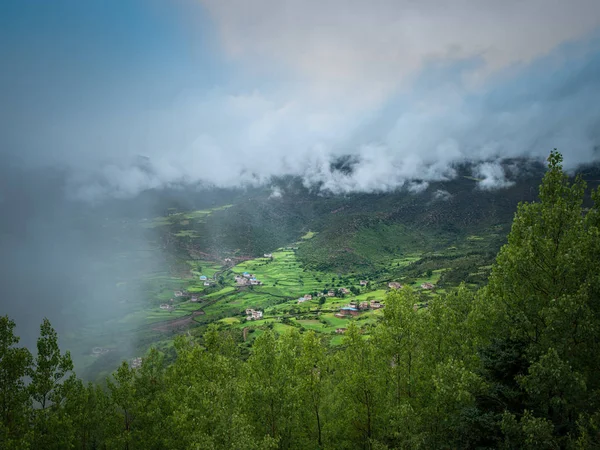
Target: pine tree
point(542, 298)
point(15, 364)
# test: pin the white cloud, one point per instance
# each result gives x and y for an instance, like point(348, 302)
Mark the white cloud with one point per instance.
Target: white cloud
point(340, 44)
point(276, 192)
point(442, 195)
point(387, 83)
point(492, 176)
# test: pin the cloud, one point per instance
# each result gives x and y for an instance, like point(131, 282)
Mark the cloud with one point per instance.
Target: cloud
point(337, 44)
point(403, 90)
point(442, 195)
point(276, 192)
point(492, 176)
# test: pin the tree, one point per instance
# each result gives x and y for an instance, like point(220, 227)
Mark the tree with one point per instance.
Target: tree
point(543, 295)
point(51, 427)
point(310, 372)
point(15, 364)
point(50, 366)
point(356, 405)
point(543, 277)
point(271, 393)
point(90, 411)
point(123, 395)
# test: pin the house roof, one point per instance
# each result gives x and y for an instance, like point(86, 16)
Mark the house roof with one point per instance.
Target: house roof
point(349, 308)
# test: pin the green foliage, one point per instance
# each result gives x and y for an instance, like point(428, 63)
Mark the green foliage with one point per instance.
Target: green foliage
point(15, 364)
point(51, 428)
point(512, 366)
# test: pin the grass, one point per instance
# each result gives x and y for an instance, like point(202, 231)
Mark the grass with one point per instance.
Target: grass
point(433, 278)
point(336, 340)
point(284, 276)
point(230, 321)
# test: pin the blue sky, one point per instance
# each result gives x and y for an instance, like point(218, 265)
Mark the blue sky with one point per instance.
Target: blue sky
point(230, 92)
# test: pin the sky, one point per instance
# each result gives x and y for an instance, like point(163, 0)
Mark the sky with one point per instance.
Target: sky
point(230, 92)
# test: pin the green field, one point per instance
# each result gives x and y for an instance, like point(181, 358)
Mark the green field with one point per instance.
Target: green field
point(284, 279)
point(313, 255)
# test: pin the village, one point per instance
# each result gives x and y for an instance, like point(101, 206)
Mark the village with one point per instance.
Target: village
point(236, 277)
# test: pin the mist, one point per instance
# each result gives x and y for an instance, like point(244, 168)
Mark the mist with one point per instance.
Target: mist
point(77, 264)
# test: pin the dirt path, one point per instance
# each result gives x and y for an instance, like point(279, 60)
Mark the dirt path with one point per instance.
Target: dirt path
point(180, 322)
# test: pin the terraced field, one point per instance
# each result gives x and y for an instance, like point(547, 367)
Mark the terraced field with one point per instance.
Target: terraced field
point(284, 277)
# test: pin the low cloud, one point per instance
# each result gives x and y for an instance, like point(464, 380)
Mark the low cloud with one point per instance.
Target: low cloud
point(442, 195)
point(401, 90)
point(276, 192)
point(492, 176)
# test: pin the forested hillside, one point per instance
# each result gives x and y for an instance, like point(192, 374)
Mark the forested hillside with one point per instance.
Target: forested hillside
point(513, 365)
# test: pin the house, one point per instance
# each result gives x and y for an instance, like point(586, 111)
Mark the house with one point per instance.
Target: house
point(251, 314)
point(349, 311)
point(178, 293)
point(301, 300)
point(268, 255)
point(376, 304)
point(363, 282)
point(427, 286)
point(345, 291)
point(247, 275)
point(228, 260)
point(340, 315)
point(241, 281)
point(308, 297)
point(165, 306)
point(254, 282)
point(331, 294)
point(340, 330)
point(194, 298)
point(363, 305)
point(394, 285)
point(203, 278)
point(207, 283)
point(353, 304)
point(136, 363)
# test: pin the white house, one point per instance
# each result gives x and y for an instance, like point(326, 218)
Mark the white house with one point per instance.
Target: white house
point(251, 314)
